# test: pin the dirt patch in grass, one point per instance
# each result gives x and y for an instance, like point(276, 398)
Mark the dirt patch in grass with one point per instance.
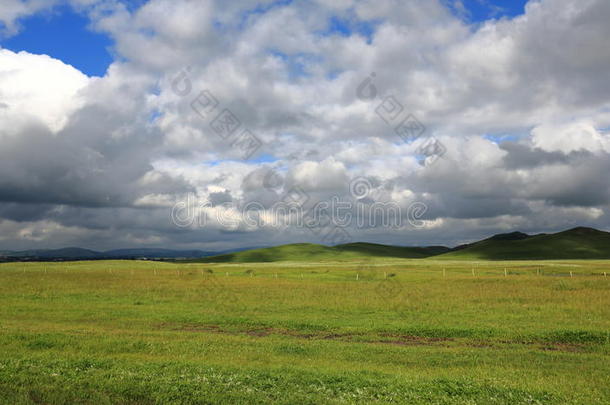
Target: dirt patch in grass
point(564, 347)
point(259, 332)
point(550, 346)
point(193, 328)
point(378, 338)
point(410, 340)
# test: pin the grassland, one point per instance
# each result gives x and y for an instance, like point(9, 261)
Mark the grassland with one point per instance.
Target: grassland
point(308, 252)
point(362, 331)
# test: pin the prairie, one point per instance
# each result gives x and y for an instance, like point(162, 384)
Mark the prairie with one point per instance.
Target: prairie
point(414, 331)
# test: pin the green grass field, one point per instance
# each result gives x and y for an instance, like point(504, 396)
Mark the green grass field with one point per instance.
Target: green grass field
point(383, 331)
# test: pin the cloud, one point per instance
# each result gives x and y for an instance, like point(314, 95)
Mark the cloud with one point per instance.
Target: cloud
point(101, 161)
point(37, 88)
point(13, 10)
point(572, 137)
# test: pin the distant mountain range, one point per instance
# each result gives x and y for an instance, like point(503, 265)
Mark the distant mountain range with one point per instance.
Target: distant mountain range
point(577, 243)
point(75, 253)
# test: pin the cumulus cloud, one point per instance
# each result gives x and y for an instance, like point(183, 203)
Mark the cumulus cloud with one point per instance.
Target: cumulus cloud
point(572, 137)
point(13, 10)
point(37, 88)
point(519, 107)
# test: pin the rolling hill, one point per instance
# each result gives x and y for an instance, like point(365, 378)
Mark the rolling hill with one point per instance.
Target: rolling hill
point(313, 252)
point(577, 243)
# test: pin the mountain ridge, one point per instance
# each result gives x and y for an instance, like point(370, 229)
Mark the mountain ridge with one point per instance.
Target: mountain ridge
point(77, 253)
point(575, 243)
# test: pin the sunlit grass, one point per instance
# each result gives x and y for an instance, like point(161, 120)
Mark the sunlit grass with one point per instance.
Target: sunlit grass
point(403, 331)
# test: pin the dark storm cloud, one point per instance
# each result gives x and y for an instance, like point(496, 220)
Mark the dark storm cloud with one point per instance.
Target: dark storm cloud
point(520, 156)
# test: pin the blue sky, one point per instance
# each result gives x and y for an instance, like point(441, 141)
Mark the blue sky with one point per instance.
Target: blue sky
point(481, 10)
point(66, 35)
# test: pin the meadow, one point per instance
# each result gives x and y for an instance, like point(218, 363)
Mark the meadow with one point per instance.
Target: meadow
point(413, 331)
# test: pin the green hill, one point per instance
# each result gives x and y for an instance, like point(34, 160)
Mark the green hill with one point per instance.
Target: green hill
point(373, 249)
point(313, 252)
point(577, 243)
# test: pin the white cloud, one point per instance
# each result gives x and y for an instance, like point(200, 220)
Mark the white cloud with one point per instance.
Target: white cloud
point(37, 87)
point(12, 10)
point(572, 137)
point(325, 175)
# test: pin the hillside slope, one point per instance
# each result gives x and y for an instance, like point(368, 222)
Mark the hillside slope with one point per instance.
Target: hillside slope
point(577, 243)
point(313, 252)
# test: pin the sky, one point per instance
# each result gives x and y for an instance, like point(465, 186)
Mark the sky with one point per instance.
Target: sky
point(195, 124)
